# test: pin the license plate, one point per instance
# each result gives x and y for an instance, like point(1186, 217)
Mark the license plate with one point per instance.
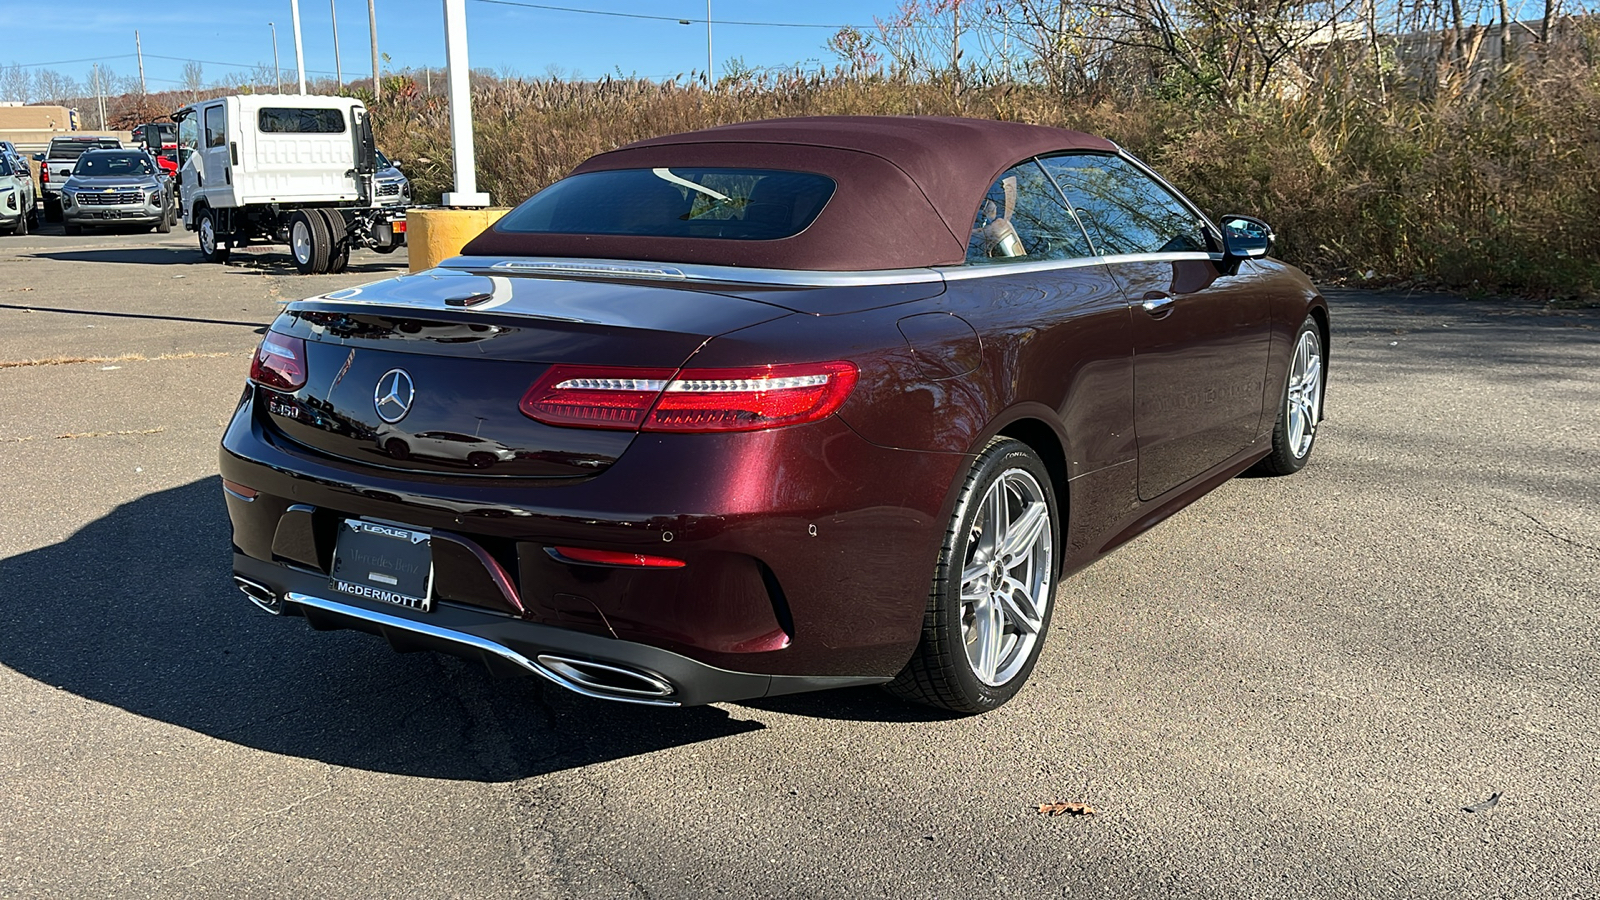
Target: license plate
point(385, 563)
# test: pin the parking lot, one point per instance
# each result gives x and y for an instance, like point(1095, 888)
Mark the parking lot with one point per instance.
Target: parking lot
point(1375, 678)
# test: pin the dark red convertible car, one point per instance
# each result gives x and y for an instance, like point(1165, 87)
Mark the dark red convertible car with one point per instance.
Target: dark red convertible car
point(772, 407)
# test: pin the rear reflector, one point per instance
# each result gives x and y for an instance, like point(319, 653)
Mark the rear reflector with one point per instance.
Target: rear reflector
point(239, 490)
point(614, 558)
point(696, 401)
point(280, 362)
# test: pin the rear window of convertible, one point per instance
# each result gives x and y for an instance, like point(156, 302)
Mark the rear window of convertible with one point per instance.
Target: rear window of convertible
point(732, 204)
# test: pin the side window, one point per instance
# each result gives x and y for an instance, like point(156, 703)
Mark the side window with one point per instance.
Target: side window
point(188, 138)
point(216, 134)
point(1024, 218)
point(1125, 211)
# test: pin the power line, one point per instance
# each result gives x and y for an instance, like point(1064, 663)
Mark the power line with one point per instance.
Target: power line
point(225, 65)
point(63, 62)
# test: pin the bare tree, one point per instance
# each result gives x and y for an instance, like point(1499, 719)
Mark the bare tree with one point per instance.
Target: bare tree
point(193, 79)
point(48, 84)
point(16, 83)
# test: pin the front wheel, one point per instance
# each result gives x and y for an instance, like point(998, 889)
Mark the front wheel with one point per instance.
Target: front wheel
point(1301, 407)
point(211, 247)
point(993, 587)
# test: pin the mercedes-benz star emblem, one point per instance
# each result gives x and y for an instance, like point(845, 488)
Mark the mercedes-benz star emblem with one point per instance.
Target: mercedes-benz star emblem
point(393, 395)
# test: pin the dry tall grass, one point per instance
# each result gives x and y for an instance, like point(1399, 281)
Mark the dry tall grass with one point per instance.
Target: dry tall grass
point(1493, 188)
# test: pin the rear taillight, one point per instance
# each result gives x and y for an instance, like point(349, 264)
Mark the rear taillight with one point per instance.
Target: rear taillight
point(44, 174)
point(695, 401)
point(280, 362)
point(594, 397)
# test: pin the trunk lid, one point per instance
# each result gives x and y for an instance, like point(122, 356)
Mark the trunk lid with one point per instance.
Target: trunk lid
point(467, 347)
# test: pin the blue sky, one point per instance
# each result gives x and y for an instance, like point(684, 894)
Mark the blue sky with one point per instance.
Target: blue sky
point(69, 35)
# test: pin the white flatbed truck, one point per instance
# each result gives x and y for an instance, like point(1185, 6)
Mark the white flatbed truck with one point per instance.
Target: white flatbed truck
point(287, 168)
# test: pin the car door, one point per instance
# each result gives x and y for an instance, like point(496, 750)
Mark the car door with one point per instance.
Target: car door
point(214, 175)
point(1052, 317)
point(1200, 336)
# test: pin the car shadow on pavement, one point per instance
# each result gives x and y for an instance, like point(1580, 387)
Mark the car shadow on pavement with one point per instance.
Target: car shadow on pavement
point(137, 610)
point(131, 256)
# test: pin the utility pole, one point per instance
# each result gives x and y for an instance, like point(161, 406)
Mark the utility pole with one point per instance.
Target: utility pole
point(711, 76)
point(466, 162)
point(338, 70)
point(372, 25)
point(100, 91)
point(277, 73)
point(139, 51)
point(299, 53)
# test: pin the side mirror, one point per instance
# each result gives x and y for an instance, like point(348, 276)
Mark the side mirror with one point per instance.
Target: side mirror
point(1246, 237)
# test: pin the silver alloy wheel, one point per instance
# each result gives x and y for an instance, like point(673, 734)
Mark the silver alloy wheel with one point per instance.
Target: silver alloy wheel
point(300, 241)
point(1005, 582)
point(1304, 402)
point(208, 236)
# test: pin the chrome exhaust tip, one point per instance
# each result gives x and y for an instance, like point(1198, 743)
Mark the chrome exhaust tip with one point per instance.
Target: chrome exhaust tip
point(605, 680)
point(259, 594)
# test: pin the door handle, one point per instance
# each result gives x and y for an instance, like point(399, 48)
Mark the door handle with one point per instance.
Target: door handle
point(1159, 306)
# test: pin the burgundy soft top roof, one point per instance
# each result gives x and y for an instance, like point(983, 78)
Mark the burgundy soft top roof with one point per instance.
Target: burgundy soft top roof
point(908, 187)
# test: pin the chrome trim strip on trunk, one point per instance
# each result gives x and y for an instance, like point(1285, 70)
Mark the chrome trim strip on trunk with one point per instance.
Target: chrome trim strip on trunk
point(558, 267)
point(622, 268)
point(482, 644)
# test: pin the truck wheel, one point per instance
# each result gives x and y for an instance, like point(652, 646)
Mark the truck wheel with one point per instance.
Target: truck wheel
point(339, 231)
point(211, 248)
point(52, 210)
point(309, 241)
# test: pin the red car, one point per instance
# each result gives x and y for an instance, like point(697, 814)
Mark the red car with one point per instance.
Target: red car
point(772, 407)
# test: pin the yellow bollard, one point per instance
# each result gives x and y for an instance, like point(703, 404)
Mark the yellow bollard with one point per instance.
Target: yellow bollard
point(435, 235)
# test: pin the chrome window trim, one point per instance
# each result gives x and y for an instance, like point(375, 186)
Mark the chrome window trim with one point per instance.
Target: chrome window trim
point(558, 267)
point(688, 272)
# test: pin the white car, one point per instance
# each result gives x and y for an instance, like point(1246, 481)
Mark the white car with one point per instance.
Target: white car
point(17, 212)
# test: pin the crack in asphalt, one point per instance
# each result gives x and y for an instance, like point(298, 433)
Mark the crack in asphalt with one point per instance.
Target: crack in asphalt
point(1560, 537)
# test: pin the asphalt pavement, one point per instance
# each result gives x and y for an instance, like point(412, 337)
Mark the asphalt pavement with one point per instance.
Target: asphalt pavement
point(1375, 678)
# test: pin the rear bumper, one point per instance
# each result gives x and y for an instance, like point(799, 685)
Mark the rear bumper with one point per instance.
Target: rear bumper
point(808, 551)
point(599, 667)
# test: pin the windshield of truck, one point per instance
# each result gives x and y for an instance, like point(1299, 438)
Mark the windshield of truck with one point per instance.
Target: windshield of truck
point(731, 204)
point(96, 164)
point(284, 120)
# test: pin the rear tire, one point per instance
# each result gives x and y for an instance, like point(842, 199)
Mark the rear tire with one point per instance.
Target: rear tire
point(339, 233)
point(309, 241)
point(993, 589)
point(1300, 408)
point(211, 246)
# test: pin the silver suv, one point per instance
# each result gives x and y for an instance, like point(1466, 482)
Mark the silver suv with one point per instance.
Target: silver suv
point(16, 195)
point(117, 187)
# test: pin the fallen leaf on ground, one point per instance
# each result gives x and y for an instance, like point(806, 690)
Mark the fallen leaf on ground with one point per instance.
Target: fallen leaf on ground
point(1065, 809)
point(1483, 805)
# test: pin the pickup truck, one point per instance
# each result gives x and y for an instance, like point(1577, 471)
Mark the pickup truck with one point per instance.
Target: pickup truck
point(55, 166)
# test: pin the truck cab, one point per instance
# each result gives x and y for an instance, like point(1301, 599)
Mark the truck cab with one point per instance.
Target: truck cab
point(295, 168)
